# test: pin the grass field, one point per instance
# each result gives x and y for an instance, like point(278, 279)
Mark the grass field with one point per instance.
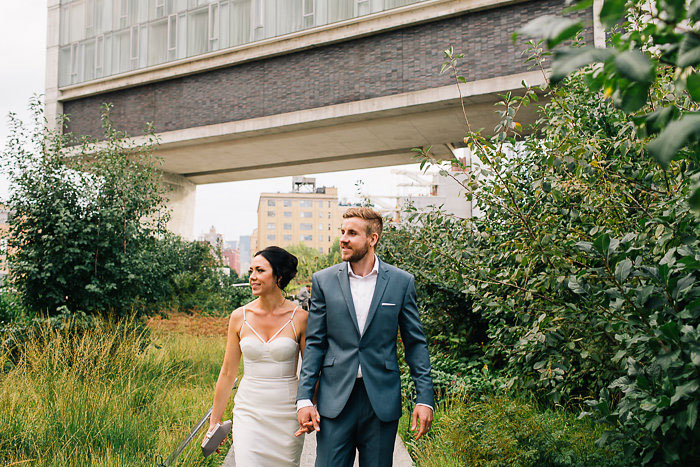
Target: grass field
point(506, 430)
point(119, 396)
point(105, 398)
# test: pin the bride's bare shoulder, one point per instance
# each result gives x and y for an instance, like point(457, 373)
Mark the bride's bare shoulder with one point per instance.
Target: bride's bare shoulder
point(301, 316)
point(238, 314)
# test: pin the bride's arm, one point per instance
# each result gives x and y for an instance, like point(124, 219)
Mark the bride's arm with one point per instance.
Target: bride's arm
point(229, 369)
point(300, 321)
point(302, 344)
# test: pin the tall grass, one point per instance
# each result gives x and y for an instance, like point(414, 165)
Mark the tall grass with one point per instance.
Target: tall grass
point(503, 430)
point(105, 396)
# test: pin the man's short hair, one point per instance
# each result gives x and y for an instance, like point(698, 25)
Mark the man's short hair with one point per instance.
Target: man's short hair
point(375, 223)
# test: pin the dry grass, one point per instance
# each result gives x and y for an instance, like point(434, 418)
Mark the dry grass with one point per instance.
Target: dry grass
point(191, 324)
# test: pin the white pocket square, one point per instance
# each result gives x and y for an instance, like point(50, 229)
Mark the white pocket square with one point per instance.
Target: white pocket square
point(388, 304)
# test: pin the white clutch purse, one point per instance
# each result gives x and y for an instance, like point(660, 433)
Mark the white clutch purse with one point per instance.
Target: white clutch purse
point(214, 438)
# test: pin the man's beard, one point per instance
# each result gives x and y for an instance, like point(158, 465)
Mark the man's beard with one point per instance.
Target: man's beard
point(357, 255)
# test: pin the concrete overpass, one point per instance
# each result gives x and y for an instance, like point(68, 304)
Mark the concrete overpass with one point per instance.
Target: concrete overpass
point(355, 93)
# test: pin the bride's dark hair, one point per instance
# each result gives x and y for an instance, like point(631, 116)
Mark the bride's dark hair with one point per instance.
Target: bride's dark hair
point(284, 264)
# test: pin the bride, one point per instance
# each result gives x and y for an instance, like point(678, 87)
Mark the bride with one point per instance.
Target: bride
point(269, 333)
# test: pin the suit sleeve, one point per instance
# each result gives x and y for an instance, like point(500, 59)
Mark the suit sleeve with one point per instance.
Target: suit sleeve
point(316, 342)
point(416, 346)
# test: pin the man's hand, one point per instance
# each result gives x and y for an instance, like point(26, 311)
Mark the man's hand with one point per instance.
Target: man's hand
point(309, 420)
point(425, 415)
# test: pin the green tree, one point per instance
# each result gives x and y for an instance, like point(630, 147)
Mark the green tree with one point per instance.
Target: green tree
point(87, 218)
point(311, 261)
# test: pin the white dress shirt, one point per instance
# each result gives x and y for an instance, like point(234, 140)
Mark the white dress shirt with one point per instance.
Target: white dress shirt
point(362, 291)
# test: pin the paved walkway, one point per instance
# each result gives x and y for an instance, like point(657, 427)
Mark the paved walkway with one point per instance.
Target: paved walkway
point(308, 455)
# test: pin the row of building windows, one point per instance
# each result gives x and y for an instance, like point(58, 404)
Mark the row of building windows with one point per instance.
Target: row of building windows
point(302, 226)
point(104, 37)
point(288, 238)
point(304, 203)
point(303, 214)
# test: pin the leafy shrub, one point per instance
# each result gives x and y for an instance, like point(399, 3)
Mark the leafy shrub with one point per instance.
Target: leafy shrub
point(10, 306)
point(211, 292)
point(86, 218)
point(446, 312)
point(451, 375)
point(584, 263)
point(196, 281)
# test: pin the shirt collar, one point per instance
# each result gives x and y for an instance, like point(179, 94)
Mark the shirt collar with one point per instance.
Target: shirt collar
point(375, 270)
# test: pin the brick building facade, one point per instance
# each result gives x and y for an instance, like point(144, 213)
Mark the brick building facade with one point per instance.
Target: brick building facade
point(393, 62)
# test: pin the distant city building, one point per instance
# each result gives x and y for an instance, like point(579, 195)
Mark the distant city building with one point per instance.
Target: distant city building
point(244, 249)
point(254, 241)
point(215, 239)
point(232, 258)
point(231, 244)
point(308, 215)
point(429, 191)
point(445, 192)
point(4, 231)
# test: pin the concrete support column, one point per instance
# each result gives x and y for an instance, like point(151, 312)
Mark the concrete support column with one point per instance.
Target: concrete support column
point(598, 30)
point(52, 107)
point(181, 195)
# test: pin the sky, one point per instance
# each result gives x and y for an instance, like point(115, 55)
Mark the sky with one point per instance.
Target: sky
point(230, 207)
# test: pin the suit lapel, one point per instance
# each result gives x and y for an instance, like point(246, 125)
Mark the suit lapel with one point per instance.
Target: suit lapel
point(382, 281)
point(345, 288)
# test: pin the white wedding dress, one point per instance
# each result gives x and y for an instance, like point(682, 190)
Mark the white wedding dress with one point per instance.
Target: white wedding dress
point(264, 412)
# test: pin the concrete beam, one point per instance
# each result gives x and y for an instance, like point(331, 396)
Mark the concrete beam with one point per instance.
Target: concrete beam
point(371, 133)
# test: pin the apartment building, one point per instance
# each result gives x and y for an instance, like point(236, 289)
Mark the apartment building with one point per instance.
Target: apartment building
point(307, 215)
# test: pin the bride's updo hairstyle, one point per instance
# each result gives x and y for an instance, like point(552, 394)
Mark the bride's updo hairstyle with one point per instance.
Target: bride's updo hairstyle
point(284, 264)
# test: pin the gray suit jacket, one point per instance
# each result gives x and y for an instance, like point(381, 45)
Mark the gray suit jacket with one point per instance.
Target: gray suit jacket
point(335, 348)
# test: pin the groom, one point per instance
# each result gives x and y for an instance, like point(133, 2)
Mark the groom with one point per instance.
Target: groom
point(357, 308)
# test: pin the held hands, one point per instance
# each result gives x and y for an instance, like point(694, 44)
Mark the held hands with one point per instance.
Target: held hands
point(309, 420)
point(425, 415)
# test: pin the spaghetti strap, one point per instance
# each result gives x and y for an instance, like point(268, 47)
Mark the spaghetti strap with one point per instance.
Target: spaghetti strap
point(294, 328)
point(255, 332)
point(278, 331)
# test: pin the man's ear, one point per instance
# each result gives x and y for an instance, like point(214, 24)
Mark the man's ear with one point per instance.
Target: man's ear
point(374, 239)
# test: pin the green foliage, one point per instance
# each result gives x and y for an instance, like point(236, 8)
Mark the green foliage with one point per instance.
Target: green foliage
point(451, 375)
point(86, 219)
point(195, 280)
point(311, 261)
point(447, 317)
point(649, 68)
point(503, 430)
point(640, 261)
point(584, 262)
point(11, 309)
point(212, 292)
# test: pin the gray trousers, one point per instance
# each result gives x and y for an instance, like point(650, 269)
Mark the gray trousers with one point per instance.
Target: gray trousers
point(357, 427)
